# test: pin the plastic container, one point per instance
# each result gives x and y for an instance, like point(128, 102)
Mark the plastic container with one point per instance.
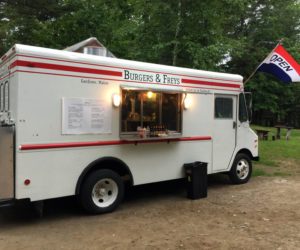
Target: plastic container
point(196, 179)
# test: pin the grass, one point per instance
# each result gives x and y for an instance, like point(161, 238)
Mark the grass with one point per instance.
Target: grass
point(258, 172)
point(280, 157)
point(281, 174)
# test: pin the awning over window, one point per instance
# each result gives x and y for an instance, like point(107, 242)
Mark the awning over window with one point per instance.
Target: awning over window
point(154, 87)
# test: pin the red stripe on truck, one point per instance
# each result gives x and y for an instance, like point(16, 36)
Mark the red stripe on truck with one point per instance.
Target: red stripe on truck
point(106, 143)
point(218, 84)
point(117, 67)
point(30, 64)
point(64, 68)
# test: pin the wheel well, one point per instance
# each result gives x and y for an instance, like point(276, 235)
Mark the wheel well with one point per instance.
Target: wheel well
point(111, 163)
point(247, 152)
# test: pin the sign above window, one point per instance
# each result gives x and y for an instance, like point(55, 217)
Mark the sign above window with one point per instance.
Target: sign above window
point(148, 77)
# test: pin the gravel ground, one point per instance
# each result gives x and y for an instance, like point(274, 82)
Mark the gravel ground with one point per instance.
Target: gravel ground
point(262, 214)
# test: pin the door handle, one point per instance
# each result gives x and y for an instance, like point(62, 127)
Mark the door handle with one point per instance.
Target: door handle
point(234, 124)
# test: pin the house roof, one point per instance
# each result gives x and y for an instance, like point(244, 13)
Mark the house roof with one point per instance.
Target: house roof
point(85, 42)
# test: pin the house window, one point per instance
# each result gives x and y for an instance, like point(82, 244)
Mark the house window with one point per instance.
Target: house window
point(146, 109)
point(98, 51)
point(223, 107)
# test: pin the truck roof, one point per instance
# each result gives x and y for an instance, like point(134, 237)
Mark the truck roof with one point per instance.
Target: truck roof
point(71, 57)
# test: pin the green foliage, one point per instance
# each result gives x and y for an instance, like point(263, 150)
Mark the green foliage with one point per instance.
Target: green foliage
point(226, 35)
point(23, 21)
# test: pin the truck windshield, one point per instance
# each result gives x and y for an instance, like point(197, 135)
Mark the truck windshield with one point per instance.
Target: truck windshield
point(243, 116)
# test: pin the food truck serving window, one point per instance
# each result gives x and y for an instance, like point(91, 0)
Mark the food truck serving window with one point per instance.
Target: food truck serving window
point(146, 109)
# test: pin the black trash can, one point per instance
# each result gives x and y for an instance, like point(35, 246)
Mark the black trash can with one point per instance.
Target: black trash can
point(196, 179)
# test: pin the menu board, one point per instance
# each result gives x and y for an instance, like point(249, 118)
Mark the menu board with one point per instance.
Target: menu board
point(86, 116)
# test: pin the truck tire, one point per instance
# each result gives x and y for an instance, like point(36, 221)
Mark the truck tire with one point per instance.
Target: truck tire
point(241, 169)
point(102, 192)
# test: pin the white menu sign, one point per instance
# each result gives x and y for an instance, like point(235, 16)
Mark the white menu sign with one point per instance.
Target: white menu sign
point(86, 116)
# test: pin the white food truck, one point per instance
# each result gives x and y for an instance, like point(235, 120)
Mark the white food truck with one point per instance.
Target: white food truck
point(78, 124)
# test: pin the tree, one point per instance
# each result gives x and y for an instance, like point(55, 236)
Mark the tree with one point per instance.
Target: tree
point(23, 21)
point(226, 35)
point(265, 24)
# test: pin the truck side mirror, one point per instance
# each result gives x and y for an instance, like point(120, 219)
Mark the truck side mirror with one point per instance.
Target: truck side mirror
point(248, 98)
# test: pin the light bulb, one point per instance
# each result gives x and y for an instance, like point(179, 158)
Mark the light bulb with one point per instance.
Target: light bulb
point(149, 94)
point(187, 101)
point(116, 100)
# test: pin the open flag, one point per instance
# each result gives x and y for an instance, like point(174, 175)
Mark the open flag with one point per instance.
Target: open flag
point(281, 64)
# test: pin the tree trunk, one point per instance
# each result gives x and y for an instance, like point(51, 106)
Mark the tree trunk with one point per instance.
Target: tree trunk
point(178, 26)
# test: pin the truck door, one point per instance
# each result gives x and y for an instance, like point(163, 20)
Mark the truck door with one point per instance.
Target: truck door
point(224, 131)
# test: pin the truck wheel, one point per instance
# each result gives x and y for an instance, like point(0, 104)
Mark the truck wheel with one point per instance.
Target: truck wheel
point(241, 169)
point(101, 192)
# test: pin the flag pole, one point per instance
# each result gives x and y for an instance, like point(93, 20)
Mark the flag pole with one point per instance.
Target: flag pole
point(252, 74)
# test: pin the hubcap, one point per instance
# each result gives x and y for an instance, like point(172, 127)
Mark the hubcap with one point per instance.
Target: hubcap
point(105, 192)
point(242, 169)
